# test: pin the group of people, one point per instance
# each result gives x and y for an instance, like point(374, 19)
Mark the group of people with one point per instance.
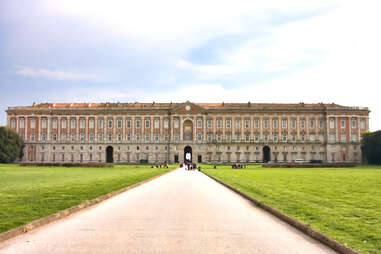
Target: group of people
point(238, 165)
point(189, 166)
point(164, 165)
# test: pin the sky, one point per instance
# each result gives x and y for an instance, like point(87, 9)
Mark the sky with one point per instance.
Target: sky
point(274, 51)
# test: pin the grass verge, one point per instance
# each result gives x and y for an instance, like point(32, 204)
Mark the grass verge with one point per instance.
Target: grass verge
point(344, 204)
point(30, 193)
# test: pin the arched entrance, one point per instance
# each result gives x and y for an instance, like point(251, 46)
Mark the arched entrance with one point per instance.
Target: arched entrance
point(188, 130)
point(266, 154)
point(188, 154)
point(109, 154)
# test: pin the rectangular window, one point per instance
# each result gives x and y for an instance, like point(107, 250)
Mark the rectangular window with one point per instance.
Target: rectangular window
point(157, 123)
point(247, 137)
point(284, 137)
point(302, 124)
point(294, 137)
point(137, 136)
point(73, 123)
point(247, 124)
point(218, 137)
point(165, 124)
point(63, 136)
point(303, 137)
point(199, 136)
point(147, 124)
point(199, 124)
point(176, 123)
point(321, 138)
point(354, 137)
point(342, 123)
point(166, 137)
point(91, 123)
point(284, 124)
point(128, 136)
point(72, 137)
point(32, 136)
point(91, 136)
point(293, 124)
point(343, 137)
point(137, 124)
point(82, 136)
point(321, 124)
point(265, 124)
point(63, 124)
point(237, 123)
point(312, 137)
point(119, 124)
point(256, 123)
point(227, 137)
point(32, 123)
point(332, 123)
point(218, 124)
point(119, 137)
point(43, 123)
point(209, 137)
point(54, 124)
point(54, 136)
point(275, 137)
point(209, 123)
point(109, 137)
point(354, 123)
point(100, 137)
point(228, 123)
point(266, 137)
point(128, 124)
point(237, 137)
point(156, 137)
point(147, 136)
point(43, 136)
point(332, 138)
point(22, 123)
point(275, 124)
point(256, 137)
point(100, 124)
point(176, 137)
point(312, 124)
point(82, 123)
point(109, 124)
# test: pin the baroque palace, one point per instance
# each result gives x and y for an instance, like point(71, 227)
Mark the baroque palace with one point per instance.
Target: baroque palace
point(198, 132)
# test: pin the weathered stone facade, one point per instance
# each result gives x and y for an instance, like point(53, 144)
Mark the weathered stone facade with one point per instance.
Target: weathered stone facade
point(212, 132)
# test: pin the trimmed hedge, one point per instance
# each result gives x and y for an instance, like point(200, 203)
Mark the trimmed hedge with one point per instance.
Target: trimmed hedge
point(57, 164)
point(308, 165)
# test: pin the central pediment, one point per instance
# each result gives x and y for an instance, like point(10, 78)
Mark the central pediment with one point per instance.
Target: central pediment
point(187, 108)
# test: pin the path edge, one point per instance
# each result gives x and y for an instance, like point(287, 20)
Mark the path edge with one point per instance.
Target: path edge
point(324, 239)
point(68, 211)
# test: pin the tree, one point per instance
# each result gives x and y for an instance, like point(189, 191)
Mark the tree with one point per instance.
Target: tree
point(371, 147)
point(11, 145)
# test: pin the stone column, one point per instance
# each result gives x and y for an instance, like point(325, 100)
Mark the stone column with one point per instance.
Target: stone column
point(233, 128)
point(39, 128)
point(114, 125)
point(214, 128)
point(87, 128)
point(194, 128)
point(350, 128)
point(161, 127)
point(48, 128)
point(260, 127)
point(298, 127)
point(204, 124)
point(77, 127)
point(133, 124)
point(336, 128)
point(358, 128)
point(181, 128)
point(95, 128)
point(307, 126)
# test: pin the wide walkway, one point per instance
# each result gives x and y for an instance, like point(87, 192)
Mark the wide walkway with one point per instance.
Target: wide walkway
point(181, 212)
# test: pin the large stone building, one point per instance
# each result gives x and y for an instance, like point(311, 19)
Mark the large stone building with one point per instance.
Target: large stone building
point(201, 132)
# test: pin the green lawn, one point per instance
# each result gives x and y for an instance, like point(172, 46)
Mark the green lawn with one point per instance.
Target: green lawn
point(29, 193)
point(342, 203)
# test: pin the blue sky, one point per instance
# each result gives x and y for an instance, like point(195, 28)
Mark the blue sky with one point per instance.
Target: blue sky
point(202, 51)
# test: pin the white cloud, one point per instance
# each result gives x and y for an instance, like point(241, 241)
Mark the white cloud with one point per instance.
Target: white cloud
point(58, 74)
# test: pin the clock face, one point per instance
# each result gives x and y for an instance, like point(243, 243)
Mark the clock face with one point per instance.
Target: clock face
point(187, 107)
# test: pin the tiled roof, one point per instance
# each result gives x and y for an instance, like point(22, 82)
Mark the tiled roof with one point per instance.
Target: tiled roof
point(153, 105)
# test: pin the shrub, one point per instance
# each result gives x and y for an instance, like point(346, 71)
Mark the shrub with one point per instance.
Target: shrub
point(11, 145)
point(371, 147)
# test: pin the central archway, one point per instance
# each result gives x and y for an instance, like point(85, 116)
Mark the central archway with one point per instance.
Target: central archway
point(187, 154)
point(266, 154)
point(109, 154)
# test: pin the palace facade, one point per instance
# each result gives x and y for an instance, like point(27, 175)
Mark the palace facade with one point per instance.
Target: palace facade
point(200, 132)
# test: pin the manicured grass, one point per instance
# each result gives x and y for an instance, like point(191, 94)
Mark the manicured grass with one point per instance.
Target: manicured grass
point(29, 193)
point(342, 203)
